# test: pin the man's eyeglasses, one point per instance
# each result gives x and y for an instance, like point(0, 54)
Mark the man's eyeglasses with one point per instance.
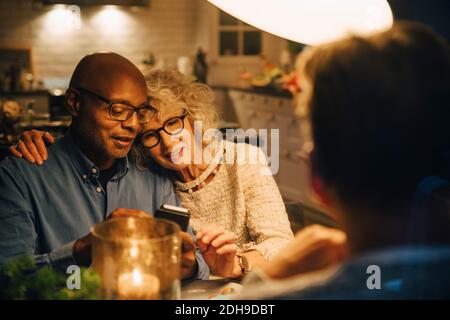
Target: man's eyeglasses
point(122, 111)
point(172, 126)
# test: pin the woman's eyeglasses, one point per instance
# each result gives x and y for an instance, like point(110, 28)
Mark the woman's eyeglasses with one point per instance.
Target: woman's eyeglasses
point(122, 111)
point(172, 126)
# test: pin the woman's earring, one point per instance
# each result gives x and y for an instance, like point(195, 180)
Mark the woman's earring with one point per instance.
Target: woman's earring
point(180, 138)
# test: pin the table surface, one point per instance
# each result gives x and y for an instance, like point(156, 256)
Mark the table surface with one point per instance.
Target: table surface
point(208, 289)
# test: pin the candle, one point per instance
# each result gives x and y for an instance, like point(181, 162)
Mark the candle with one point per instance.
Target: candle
point(138, 286)
point(137, 258)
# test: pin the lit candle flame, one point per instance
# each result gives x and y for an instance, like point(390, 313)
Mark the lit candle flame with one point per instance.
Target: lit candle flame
point(134, 252)
point(137, 277)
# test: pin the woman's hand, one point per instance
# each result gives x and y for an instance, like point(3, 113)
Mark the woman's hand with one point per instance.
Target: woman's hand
point(314, 247)
point(219, 250)
point(31, 146)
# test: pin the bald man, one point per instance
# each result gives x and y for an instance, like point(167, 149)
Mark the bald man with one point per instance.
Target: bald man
point(47, 211)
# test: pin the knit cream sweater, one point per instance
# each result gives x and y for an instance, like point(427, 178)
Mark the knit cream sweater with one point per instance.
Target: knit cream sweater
point(241, 199)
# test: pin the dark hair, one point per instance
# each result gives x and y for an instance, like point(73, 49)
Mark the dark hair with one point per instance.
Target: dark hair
point(380, 112)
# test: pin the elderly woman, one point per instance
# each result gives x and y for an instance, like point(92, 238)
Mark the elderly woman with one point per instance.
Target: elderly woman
point(224, 185)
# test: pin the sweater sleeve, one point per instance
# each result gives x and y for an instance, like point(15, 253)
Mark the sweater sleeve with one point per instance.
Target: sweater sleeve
point(267, 220)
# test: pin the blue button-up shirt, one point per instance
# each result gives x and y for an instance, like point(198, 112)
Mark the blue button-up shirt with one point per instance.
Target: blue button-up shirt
point(44, 209)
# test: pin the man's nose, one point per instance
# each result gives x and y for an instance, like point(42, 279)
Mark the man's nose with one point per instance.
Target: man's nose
point(132, 123)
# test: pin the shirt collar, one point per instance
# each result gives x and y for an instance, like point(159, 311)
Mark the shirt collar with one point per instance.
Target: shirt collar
point(86, 167)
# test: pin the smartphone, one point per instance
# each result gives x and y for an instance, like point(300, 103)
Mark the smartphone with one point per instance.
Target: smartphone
point(175, 214)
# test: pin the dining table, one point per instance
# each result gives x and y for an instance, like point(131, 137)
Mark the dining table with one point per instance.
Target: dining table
point(211, 289)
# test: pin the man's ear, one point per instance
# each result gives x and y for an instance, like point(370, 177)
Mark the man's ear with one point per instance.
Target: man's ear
point(317, 183)
point(73, 102)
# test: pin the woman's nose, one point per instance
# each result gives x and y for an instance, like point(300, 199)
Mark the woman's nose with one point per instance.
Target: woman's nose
point(167, 140)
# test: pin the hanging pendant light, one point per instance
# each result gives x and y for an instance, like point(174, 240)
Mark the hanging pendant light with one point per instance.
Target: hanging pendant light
point(311, 22)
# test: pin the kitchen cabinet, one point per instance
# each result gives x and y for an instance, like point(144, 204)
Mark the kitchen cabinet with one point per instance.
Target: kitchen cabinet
point(39, 99)
point(264, 111)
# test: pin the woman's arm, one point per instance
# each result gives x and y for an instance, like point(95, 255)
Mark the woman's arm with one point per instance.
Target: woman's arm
point(267, 221)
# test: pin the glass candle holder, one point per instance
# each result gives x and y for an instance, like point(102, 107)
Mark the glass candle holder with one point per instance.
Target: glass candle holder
point(137, 258)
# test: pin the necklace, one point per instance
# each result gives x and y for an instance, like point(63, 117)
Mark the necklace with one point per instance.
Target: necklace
point(210, 170)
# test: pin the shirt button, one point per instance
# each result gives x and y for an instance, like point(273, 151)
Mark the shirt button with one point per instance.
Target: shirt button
point(94, 170)
point(98, 189)
point(84, 177)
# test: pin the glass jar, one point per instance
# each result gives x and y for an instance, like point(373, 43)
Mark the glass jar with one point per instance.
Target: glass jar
point(137, 258)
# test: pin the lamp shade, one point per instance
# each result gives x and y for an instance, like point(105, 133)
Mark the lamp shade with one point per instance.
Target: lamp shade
point(311, 22)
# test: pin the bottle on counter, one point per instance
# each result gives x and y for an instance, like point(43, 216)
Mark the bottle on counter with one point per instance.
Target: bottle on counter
point(30, 113)
point(201, 66)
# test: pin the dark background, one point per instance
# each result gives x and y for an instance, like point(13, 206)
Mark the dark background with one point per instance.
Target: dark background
point(435, 13)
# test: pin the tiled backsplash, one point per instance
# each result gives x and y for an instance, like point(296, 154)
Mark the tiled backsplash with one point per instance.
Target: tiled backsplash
point(167, 28)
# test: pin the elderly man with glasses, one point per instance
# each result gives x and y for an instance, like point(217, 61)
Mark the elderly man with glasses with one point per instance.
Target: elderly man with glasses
point(47, 211)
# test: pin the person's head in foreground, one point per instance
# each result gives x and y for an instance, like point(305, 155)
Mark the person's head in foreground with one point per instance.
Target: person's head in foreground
point(379, 108)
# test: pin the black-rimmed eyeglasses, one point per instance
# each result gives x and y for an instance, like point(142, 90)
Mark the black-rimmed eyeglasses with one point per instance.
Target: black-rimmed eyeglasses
point(122, 110)
point(172, 126)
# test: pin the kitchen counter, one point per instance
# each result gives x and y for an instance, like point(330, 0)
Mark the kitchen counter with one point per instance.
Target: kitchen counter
point(271, 91)
point(39, 98)
point(23, 93)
